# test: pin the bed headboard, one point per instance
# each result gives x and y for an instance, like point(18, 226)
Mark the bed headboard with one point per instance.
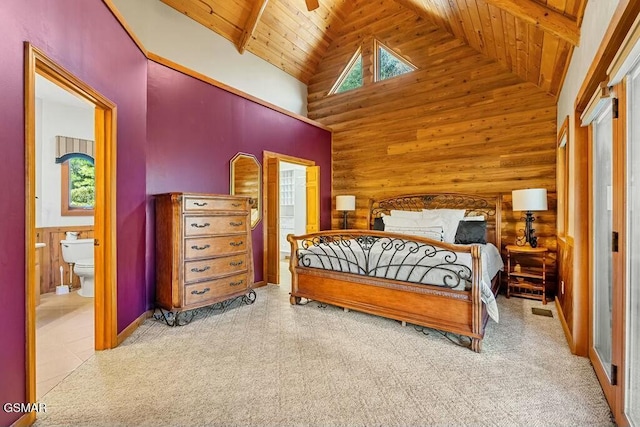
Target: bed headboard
point(488, 206)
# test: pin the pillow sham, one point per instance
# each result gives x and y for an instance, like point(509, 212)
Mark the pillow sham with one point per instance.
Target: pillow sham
point(471, 232)
point(434, 232)
point(449, 219)
point(417, 215)
point(473, 218)
point(408, 222)
point(399, 221)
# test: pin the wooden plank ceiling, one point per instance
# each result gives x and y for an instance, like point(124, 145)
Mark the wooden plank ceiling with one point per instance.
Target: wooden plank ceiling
point(531, 38)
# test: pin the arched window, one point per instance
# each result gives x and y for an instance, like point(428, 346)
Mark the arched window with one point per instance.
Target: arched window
point(78, 178)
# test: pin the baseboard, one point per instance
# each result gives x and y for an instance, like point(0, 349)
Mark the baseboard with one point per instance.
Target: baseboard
point(133, 326)
point(259, 284)
point(565, 327)
point(25, 420)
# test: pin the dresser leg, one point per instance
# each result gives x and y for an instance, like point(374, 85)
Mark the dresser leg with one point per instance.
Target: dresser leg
point(249, 298)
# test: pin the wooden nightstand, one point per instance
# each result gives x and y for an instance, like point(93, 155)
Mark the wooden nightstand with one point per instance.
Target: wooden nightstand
point(523, 282)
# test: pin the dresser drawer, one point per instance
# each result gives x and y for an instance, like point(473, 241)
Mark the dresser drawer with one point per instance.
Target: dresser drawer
point(204, 247)
point(192, 203)
point(217, 288)
point(212, 224)
point(195, 271)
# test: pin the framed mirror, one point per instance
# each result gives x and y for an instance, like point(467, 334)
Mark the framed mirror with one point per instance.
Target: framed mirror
point(246, 180)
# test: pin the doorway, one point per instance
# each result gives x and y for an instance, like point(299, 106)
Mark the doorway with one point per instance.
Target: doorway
point(275, 243)
point(65, 189)
point(104, 112)
point(293, 204)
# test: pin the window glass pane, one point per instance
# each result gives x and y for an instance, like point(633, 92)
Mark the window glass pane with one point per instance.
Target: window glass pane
point(602, 228)
point(389, 65)
point(82, 182)
point(353, 79)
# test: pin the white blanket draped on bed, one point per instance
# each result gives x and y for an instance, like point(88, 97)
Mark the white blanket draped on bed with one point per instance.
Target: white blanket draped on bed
point(405, 260)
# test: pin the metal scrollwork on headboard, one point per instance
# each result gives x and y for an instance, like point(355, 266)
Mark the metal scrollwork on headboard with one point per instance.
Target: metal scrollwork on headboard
point(487, 206)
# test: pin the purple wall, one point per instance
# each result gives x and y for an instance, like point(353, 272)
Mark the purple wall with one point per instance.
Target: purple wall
point(88, 41)
point(190, 152)
point(182, 143)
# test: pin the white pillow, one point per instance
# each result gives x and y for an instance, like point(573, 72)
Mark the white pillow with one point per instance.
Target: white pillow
point(406, 214)
point(448, 217)
point(399, 221)
point(434, 233)
point(473, 218)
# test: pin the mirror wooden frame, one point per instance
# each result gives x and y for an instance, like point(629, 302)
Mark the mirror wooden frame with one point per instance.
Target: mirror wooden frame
point(244, 182)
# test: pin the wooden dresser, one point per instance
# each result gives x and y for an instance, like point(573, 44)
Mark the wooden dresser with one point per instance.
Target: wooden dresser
point(203, 250)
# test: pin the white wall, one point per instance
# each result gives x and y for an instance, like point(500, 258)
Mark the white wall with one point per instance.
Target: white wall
point(52, 119)
point(597, 17)
point(172, 35)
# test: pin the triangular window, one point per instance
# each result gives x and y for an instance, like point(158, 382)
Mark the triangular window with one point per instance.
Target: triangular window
point(351, 77)
point(389, 64)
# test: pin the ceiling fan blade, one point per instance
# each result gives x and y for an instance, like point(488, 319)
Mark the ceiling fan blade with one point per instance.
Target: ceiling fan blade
point(312, 4)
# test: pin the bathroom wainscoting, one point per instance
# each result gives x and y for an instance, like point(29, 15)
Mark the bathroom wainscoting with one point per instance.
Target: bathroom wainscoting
point(52, 256)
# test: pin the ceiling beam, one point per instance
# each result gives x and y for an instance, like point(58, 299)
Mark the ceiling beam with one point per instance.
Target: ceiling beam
point(545, 18)
point(251, 24)
point(312, 5)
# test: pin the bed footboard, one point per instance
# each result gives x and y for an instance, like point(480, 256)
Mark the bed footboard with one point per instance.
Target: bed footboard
point(377, 284)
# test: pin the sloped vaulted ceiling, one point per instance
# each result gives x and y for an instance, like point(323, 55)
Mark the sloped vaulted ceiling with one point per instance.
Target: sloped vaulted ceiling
point(532, 38)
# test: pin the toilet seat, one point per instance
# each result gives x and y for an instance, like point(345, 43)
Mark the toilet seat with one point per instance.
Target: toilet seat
point(85, 262)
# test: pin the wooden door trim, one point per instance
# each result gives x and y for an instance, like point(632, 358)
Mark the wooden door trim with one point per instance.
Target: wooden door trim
point(266, 155)
point(619, 275)
point(37, 62)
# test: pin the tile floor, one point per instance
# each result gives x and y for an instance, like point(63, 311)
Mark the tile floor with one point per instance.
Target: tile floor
point(64, 337)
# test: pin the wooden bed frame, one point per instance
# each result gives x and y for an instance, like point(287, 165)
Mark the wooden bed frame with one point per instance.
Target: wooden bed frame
point(457, 311)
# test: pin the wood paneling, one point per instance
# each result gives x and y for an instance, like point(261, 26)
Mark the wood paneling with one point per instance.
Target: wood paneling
point(282, 32)
point(564, 293)
point(460, 123)
point(52, 256)
point(532, 38)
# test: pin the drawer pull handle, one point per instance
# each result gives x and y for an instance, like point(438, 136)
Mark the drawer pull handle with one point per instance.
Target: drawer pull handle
point(236, 205)
point(240, 243)
point(202, 292)
point(200, 248)
point(200, 270)
point(235, 263)
point(200, 204)
point(235, 224)
point(206, 224)
point(238, 283)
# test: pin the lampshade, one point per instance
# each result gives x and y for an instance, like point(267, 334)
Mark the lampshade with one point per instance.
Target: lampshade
point(346, 203)
point(531, 199)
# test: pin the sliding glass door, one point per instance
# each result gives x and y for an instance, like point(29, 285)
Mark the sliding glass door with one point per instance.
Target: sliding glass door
point(632, 371)
point(602, 223)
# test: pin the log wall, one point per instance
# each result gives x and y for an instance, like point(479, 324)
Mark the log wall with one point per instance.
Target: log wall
point(460, 123)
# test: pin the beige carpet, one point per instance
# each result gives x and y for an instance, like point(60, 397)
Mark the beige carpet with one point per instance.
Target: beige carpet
point(272, 364)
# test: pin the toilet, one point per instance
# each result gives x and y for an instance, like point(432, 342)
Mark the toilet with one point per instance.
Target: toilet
point(80, 253)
